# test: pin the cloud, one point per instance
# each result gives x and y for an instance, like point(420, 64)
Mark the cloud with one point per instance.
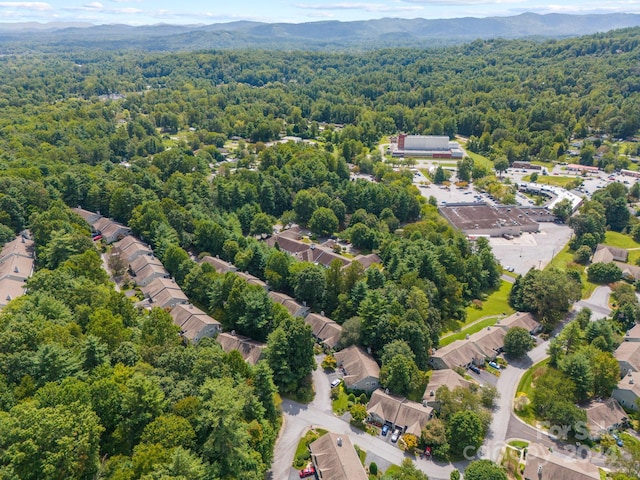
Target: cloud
point(462, 2)
point(94, 6)
point(37, 6)
point(367, 7)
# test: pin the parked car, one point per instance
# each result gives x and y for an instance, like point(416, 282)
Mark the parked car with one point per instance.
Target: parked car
point(494, 365)
point(396, 435)
point(619, 442)
point(335, 383)
point(474, 369)
point(385, 430)
point(307, 472)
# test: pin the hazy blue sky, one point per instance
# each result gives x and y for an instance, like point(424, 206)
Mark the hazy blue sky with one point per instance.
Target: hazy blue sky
point(137, 12)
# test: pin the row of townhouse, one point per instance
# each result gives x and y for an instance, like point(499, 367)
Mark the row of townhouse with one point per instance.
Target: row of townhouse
point(16, 266)
point(481, 346)
point(324, 329)
point(627, 392)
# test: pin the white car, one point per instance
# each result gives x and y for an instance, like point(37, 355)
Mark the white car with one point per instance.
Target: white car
point(335, 383)
point(396, 435)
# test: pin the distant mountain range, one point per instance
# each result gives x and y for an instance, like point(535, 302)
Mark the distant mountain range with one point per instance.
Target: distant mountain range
point(333, 35)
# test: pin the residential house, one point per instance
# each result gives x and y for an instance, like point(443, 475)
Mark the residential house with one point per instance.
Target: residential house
point(335, 458)
point(608, 254)
point(220, 265)
point(194, 323)
point(361, 372)
point(136, 265)
point(628, 390)
point(628, 357)
point(251, 280)
point(110, 230)
point(490, 341)
point(460, 353)
point(149, 272)
point(477, 348)
point(520, 319)
point(633, 334)
point(442, 378)
point(544, 465)
point(158, 285)
point(16, 266)
point(367, 260)
point(168, 298)
point(324, 329)
point(629, 272)
point(604, 417)
point(130, 248)
point(89, 217)
point(290, 241)
point(250, 350)
point(399, 412)
point(619, 256)
point(293, 307)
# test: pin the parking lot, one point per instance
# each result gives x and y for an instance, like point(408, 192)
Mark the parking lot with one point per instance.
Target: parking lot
point(531, 250)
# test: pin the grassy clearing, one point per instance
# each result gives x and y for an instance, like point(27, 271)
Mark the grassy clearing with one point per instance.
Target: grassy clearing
point(497, 303)
point(340, 404)
point(540, 163)
point(519, 444)
point(551, 180)
point(526, 390)
point(620, 240)
point(564, 261)
point(476, 327)
point(481, 160)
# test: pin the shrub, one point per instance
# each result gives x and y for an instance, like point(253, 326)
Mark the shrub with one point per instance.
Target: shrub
point(373, 469)
point(329, 363)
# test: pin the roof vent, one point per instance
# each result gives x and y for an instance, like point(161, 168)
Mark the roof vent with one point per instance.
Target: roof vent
point(16, 269)
point(322, 312)
point(631, 382)
point(9, 298)
point(233, 333)
point(339, 441)
point(432, 393)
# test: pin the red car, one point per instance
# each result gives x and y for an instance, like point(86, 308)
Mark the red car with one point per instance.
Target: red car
point(307, 472)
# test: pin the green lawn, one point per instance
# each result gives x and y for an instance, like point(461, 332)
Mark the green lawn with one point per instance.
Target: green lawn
point(564, 261)
point(340, 404)
point(480, 160)
point(496, 304)
point(476, 327)
point(620, 240)
point(551, 180)
point(524, 387)
point(519, 444)
point(548, 165)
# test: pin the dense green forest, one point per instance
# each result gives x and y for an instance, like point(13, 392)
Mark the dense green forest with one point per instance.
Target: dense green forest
point(177, 147)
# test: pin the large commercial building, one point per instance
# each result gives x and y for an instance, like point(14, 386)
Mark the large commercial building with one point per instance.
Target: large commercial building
point(436, 146)
point(480, 219)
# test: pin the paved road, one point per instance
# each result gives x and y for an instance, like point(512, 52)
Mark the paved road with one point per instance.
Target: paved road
point(598, 302)
point(507, 385)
